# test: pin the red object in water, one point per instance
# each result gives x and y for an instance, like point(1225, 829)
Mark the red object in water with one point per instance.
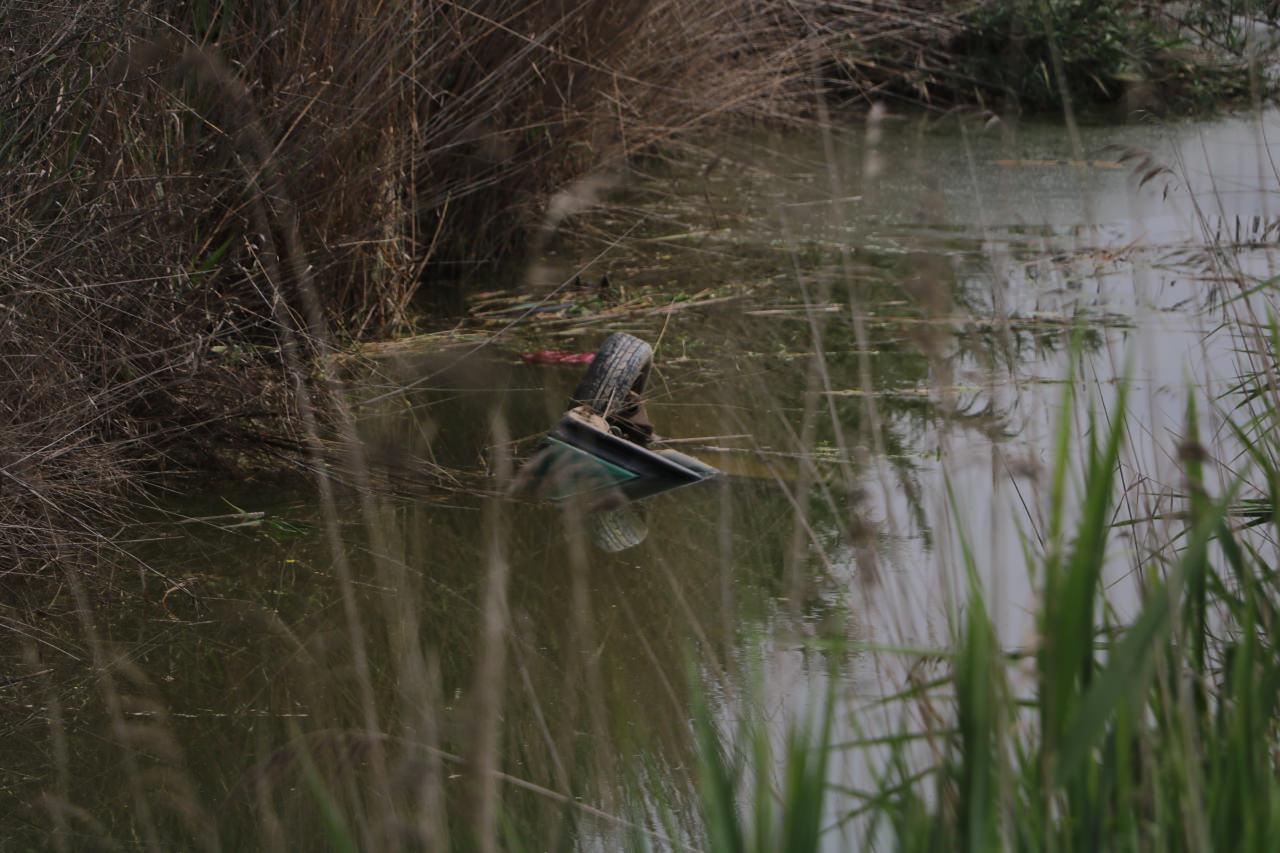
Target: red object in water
point(556, 356)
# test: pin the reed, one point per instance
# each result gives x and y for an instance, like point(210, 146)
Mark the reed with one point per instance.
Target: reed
point(195, 190)
point(1153, 731)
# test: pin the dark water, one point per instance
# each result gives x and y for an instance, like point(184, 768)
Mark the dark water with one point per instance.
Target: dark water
point(869, 330)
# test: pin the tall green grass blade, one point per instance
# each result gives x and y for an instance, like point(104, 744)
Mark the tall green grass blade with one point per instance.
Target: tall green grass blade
point(1066, 661)
point(717, 787)
point(1129, 663)
point(977, 676)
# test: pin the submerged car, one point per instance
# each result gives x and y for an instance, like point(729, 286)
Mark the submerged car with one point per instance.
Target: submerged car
point(602, 454)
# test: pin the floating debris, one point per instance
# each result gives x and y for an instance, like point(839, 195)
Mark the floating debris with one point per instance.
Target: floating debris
point(557, 356)
point(1079, 164)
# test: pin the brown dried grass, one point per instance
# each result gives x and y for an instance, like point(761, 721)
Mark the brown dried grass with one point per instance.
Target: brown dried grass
point(198, 195)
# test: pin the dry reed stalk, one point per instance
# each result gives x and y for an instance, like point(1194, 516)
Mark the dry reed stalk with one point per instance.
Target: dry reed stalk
point(201, 200)
point(381, 145)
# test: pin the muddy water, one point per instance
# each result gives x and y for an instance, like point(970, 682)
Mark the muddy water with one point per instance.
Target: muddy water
point(869, 330)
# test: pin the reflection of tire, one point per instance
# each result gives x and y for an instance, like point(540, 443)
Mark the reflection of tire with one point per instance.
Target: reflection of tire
point(620, 367)
point(617, 529)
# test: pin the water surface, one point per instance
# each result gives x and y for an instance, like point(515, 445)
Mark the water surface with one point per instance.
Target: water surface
point(870, 329)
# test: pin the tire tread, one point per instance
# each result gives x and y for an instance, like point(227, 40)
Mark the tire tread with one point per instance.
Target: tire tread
point(621, 365)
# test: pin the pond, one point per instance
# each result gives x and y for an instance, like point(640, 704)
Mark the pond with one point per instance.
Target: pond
point(872, 330)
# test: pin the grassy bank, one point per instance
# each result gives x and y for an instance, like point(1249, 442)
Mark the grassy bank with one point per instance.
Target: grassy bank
point(1154, 57)
point(1036, 56)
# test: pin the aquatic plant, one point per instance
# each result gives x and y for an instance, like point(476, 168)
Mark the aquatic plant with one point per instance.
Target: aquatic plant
point(1158, 730)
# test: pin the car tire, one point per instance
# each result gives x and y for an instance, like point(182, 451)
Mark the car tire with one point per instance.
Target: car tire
point(617, 529)
point(615, 380)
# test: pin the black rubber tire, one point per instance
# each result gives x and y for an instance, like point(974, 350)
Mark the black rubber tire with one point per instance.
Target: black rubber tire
point(621, 366)
point(617, 530)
